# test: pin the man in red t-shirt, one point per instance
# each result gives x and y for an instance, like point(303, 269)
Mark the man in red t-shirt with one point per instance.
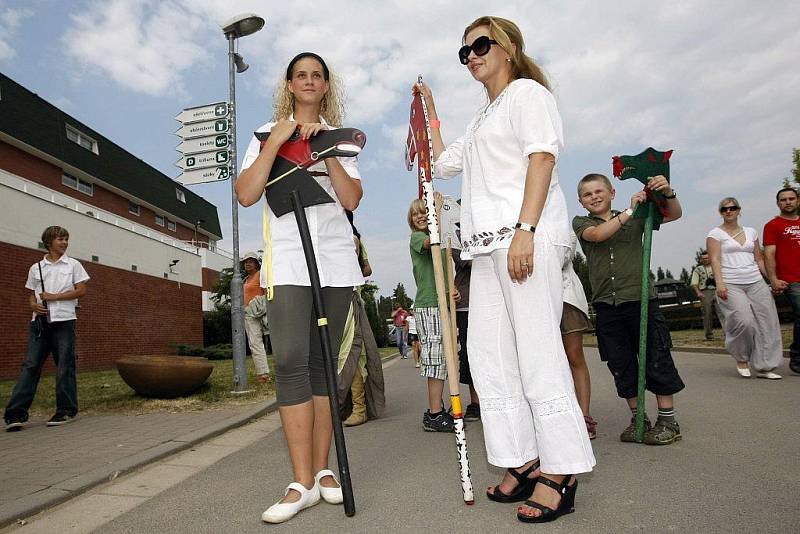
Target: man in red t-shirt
point(399, 317)
point(782, 258)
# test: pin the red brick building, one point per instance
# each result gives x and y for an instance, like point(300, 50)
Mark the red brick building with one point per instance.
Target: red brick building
point(148, 243)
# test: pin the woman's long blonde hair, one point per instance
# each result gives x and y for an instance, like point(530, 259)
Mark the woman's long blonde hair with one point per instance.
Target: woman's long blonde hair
point(506, 33)
point(332, 106)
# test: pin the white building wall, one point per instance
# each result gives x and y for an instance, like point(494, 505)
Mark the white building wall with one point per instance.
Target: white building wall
point(26, 209)
point(215, 260)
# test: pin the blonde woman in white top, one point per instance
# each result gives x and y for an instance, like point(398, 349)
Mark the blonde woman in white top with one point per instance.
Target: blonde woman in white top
point(308, 99)
point(752, 330)
point(514, 228)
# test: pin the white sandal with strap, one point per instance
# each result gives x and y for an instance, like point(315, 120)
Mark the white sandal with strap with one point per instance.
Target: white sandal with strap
point(284, 511)
point(329, 495)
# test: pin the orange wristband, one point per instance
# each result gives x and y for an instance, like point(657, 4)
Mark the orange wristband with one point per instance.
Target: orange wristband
point(435, 124)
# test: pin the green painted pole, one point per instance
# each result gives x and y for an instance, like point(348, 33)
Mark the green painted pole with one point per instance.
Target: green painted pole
point(645, 303)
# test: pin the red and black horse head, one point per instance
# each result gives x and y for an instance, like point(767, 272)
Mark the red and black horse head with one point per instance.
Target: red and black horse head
point(295, 157)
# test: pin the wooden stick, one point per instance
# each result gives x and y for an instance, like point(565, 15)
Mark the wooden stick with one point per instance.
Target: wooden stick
point(448, 346)
point(451, 283)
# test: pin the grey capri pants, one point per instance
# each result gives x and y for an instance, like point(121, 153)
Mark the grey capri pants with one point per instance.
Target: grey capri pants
point(299, 367)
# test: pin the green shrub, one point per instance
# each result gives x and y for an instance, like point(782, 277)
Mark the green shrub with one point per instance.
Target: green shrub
point(223, 351)
point(217, 327)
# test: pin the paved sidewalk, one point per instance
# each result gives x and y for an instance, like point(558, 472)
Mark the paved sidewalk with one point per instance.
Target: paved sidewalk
point(734, 471)
point(41, 466)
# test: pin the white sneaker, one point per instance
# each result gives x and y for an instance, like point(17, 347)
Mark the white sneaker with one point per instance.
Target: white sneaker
point(744, 372)
point(329, 495)
point(769, 375)
point(284, 511)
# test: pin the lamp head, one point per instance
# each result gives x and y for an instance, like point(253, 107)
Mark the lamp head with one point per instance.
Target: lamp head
point(242, 24)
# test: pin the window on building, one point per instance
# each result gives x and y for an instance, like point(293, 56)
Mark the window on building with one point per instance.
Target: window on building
point(180, 195)
point(76, 183)
point(134, 208)
point(160, 220)
point(172, 226)
point(80, 138)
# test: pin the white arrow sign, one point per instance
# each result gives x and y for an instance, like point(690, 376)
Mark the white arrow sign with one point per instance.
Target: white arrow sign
point(204, 159)
point(203, 144)
point(202, 129)
point(199, 176)
point(217, 110)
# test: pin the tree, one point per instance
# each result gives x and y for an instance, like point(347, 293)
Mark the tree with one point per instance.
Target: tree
point(685, 276)
point(376, 323)
point(660, 273)
point(668, 274)
point(222, 290)
point(794, 181)
point(384, 307)
point(400, 297)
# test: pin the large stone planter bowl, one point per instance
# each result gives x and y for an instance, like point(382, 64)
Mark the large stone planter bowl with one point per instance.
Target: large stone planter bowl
point(164, 377)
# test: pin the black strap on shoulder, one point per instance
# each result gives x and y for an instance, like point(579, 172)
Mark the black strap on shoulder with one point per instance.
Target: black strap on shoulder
point(41, 276)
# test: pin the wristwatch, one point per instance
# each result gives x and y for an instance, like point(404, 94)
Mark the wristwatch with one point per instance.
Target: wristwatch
point(628, 212)
point(670, 197)
point(525, 227)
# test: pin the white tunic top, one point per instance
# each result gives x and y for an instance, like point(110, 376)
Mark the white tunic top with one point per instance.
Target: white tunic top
point(737, 261)
point(59, 276)
point(573, 288)
point(331, 234)
point(493, 156)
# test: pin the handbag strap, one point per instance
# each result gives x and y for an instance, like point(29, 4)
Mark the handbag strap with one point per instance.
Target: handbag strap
point(41, 276)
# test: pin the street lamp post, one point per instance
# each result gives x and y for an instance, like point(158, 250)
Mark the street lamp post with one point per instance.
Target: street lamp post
point(236, 27)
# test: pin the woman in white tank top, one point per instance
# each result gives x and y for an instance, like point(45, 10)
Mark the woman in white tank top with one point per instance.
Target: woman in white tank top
point(752, 330)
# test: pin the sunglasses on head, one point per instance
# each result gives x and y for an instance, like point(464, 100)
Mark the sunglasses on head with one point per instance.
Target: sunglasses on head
point(729, 209)
point(480, 46)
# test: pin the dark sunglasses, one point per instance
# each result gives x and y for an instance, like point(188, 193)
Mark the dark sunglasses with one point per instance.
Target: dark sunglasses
point(729, 208)
point(480, 46)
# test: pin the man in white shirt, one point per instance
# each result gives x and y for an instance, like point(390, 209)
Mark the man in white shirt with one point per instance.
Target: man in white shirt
point(56, 282)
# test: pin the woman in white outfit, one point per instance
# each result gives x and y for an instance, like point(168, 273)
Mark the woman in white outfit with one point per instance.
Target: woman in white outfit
point(752, 329)
point(514, 228)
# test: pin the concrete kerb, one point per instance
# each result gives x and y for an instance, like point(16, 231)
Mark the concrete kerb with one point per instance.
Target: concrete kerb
point(699, 350)
point(71, 487)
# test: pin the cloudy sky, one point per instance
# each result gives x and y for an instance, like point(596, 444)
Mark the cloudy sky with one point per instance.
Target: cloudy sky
point(716, 81)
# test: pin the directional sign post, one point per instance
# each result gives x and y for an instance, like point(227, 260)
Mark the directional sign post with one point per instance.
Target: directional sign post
point(216, 110)
point(205, 143)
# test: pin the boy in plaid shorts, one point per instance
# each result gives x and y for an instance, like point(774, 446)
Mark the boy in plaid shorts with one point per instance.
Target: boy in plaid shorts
point(426, 311)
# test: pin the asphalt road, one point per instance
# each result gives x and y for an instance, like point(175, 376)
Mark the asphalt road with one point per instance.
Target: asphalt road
point(736, 469)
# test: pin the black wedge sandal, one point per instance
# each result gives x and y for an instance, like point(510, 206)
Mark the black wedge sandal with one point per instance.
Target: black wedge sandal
point(566, 506)
point(524, 487)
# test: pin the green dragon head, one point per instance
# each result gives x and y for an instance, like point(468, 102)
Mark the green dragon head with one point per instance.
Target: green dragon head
point(643, 167)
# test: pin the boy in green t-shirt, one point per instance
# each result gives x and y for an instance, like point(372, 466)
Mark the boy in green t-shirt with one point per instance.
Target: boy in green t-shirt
point(426, 311)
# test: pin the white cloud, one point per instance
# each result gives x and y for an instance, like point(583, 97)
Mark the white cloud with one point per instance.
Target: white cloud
point(145, 47)
point(10, 20)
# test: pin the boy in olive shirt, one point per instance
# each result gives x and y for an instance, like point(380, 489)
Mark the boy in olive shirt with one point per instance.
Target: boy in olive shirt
point(612, 242)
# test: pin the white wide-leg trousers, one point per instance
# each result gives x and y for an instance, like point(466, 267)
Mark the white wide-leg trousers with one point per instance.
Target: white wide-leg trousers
point(519, 367)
